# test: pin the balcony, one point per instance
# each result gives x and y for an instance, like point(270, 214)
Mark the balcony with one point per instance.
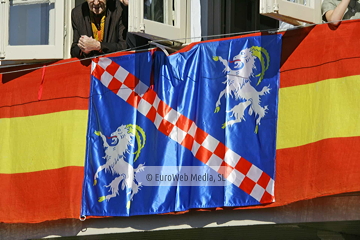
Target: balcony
point(44, 114)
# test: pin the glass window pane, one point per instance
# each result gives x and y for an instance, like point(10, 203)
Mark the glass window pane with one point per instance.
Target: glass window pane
point(154, 10)
point(29, 24)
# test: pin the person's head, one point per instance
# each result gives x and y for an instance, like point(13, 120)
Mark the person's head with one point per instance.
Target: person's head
point(97, 6)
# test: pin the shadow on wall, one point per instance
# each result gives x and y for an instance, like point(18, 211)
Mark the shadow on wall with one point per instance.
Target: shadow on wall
point(342, 208)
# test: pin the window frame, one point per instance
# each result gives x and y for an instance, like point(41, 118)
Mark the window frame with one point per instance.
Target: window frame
point(2, 29)
point(292, 12)
point(29, 52)
point(181, 17)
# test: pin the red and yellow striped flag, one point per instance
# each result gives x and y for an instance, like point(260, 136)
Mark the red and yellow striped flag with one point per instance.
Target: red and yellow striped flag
point(318, 143)
point(42, 143)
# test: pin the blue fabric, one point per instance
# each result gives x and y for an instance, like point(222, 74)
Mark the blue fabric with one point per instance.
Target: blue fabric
point(190, 83)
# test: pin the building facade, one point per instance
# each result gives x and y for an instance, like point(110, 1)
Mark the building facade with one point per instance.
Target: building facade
point(317, 195)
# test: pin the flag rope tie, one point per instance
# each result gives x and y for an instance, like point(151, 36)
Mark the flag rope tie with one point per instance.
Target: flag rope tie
point(42, 83)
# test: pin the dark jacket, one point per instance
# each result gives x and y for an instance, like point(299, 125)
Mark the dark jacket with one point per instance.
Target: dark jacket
point(114, 28)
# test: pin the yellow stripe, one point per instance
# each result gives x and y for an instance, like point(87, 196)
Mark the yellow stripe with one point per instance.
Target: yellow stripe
point(42, 142)
point(307, 113)
point(312, 112)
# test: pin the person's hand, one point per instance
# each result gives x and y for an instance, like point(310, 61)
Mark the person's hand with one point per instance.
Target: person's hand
point(88, 44)
point(336, 15)
point(125, 2)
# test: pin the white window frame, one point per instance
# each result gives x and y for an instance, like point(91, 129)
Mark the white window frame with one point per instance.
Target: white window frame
point(29, 52)
point(290, 12)
point(68, 31)
point(181, 16)
point(2, 28)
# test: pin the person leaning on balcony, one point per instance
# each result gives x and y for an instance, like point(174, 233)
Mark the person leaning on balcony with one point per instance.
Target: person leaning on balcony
point(334, 11)
point(98, 28)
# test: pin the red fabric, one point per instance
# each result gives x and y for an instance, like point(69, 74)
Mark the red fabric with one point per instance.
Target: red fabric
point(67, 87)
point(317, 53)
point(323, 168)
point(41, 196)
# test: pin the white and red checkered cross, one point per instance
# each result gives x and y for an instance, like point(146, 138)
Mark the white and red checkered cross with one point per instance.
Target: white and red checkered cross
point(184, 131)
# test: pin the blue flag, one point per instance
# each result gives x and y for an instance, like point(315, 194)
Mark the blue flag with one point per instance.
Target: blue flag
point(196, 129)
